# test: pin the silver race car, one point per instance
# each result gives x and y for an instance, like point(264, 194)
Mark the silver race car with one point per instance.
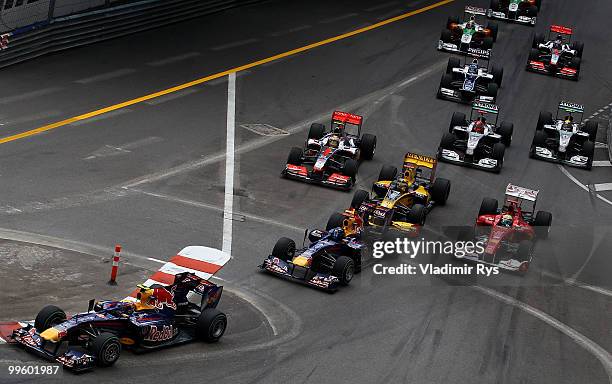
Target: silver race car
point(466, 82)
point(565, 139)
point(478, 142)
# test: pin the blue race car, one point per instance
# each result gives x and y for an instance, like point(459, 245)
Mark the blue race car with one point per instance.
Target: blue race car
point(331, 259)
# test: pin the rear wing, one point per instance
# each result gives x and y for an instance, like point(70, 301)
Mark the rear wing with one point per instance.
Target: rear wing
point(482, 107)
point(521, 192)
point(571, 107)
point(345, 117)
point(420, 160)
point(561, 29)
point(473, 10)
point(199, 261)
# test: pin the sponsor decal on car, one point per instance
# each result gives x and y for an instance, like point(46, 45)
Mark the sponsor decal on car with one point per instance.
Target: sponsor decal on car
point(166, 333)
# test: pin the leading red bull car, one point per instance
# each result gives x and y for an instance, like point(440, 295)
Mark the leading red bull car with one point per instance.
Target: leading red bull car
point(331, 158)
point(175, 306)
point(508, 234)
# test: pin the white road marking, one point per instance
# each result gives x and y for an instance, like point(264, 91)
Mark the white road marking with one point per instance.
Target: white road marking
point(292, 30)
point(338, 18)
point(602, 187)
point(600, 353)
point(42, 115)
point(113, 150)
point(172, 96)
point(578, 183)
point(602, 163)
point(578, 283)
point(28, 95)
point(107, 115)
point(106, 76)
point(229, 165)
point(173, 59)
point(381, 6)
point(600, 145)
point(234, 44)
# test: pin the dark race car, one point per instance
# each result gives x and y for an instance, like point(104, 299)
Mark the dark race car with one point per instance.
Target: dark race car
point(557, 56)
point(175, 306)
point(565, 139)
point(331, 259)
point(466, 82)
point(469, 36)
point(331, 158)
point(479, 142)
point(519, 11)
point(509, 234)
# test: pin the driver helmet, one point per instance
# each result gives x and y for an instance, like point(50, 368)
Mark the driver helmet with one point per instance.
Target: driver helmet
point(473, 68)
point(567, 123)
point(479, 125)
point(336, 234)
point(470, 23)
point(558, 41)
point(333, 141)
point(338, 127)
point(506, 220)
point(145, 298)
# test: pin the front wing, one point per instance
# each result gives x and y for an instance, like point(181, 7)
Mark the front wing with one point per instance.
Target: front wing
point(544, 153)
point(547, 69)
point(459, 158)
point(299, 274)
point(456, 48)
point(458, 96)
point(517, 17)
point(508, 264)
point(301, 173)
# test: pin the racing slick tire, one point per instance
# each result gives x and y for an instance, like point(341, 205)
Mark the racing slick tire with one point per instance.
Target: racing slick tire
point(106, 348)
point(545, 118)
point(295, 156)
point(498, 74)
point(350, 168)
point(578, 46)
point(417, 214)
point(445, 82)
point(48, 316)
point(316, 131)
point(211, 325)
point(494, 5)
point(440, 190)
point(344, 269)
point(539, 140)
point(447, 141)
point(494, 28)
point(492, 89)
point(591, 128)
point(487, 42)
point(542, 223)
point(488, 207)
point(505, 130)
point(458, 119)
point(498, 152)
point(575, 63)
point(532, 10)
point(446, 36)
point(358, 198)
point(367, 145)
point(453, 62)
point(534, 55)
point(523, 253)
point(284, 249)
point(451, 20)
point(588, 149)
point(387, 173)
point(336, 220)
point(538, 39)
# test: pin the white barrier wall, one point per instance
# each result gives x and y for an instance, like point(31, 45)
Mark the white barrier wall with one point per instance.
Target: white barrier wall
point(67, 7)
point(19, 13)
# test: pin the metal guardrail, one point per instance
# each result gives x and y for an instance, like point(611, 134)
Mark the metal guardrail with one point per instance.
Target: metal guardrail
point(87, 28)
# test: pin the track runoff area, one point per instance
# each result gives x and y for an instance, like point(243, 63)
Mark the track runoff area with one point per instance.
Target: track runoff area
point(419, 248)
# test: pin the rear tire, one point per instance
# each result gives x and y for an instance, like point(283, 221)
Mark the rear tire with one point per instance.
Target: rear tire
point(498, 152)
point(284, 249)
point(545, 118)
point(591, 128)
point(523, 253)
point(578, 46)
point(367, 145)
point(416, 215)
point(358, 198)
point(498, 74)
point(492, 90)
point(106, 348)
point(542, 223)
point(350, 168)
point(451, 20)
point(49, 316)
point(316, 131)
point(494, 5)
point(487, 42)
point(458, 119)
point(494, 28)
point(344, 269)
point(387, 173)
point(295, 156)
point(588, 149)
point(440, 190)
point(505, 130)
point(575, 63)
point(211, 325)
point(488, 207)
point(534, 55)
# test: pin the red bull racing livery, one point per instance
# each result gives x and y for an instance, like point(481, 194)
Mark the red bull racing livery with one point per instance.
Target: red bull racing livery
point(175, 306)
point(332, 157)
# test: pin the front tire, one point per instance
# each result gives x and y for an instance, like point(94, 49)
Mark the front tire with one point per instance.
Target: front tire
point(316, 131)
point(542, 223)
point(488, 207)
point(211, 325)
point(344, 269)
point(49, 316)
point(416, 215)
point(106, 348)
point(284, 249)
point(350, 168)
point(440, 190)
point(368, 146)
point(295, 156)
point(505, 130)
point(359, 197)
point(458, 119)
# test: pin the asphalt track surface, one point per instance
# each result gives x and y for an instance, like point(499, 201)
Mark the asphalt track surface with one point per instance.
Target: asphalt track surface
point(103, 181)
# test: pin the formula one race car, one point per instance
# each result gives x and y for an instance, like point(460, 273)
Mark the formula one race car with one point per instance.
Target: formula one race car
point(520, 11)
point(175, 306)
point(331, 158)
point(478, 143)
point(559, 57)
point(565, 138)
point(467, 82)
point(468, 36)
point(402, 202)
point(331, 259)
point(509, 234)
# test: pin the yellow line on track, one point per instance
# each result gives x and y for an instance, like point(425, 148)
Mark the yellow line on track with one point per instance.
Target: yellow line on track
point(180, 87)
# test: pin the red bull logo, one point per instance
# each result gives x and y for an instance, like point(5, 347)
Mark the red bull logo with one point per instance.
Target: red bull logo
point(164, 298)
